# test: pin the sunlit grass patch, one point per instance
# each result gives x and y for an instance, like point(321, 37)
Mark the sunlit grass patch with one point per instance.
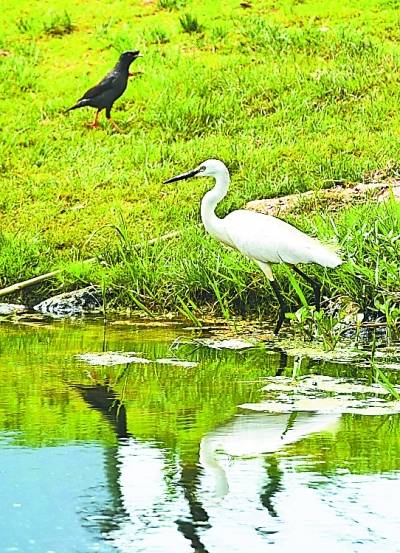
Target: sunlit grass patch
point(23, 257)
point(158, 36)
point(190, 23)
point(58, 25)
point(298, 97)
point(310, 39)
point(171, 4)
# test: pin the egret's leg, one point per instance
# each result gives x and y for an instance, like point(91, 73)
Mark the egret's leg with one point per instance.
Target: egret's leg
point(283, 308)
point(316, 286)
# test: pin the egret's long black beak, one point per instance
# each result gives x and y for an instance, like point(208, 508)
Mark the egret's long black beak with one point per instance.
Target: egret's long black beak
point(183, 176)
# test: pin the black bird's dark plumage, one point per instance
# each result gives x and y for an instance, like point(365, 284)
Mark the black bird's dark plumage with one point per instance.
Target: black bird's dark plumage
point(103, 95)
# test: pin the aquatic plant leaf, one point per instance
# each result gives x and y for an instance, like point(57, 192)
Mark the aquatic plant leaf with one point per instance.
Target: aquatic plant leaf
point(11, 308)
point(324, 383)
point(233, 343)
point(111, 358)
point(325, 394)
point(317, 352)
point(328, 405)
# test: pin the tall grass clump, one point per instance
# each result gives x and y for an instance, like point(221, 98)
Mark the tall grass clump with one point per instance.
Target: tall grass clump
point(158, 36)
point(190, 24)
point(58, 25)
point(171, 4)
point(24, 25)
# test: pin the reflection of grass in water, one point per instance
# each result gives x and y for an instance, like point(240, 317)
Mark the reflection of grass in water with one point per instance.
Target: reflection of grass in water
point(361, 445)
point(171, 406)
point(159, 398)
point(177, 406)
point(382, 379)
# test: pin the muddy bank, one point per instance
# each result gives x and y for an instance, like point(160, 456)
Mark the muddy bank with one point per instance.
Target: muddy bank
point(377, 187)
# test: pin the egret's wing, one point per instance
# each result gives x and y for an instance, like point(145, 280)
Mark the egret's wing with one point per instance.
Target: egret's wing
point(268, 239)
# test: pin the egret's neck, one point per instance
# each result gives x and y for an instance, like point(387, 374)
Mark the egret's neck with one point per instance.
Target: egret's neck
point(213, 224)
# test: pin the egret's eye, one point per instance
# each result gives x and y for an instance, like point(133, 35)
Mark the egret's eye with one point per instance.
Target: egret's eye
point(202, 168)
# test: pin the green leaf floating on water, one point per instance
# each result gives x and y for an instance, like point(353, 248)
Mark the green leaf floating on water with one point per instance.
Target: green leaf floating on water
point(327, 405)
point(322, 383)
point(325, 394)
point(229, 343)
point(110, 358)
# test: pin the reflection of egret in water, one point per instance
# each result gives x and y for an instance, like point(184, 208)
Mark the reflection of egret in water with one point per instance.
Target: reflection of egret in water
point(190, 483)
point(272, 486)
point(136, 470)
point(242, 478)
point(256, 434)
point(242, 496)
point(158, 498)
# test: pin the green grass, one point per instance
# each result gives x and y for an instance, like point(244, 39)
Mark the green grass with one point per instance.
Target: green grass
point(190, 24)
point(291, 95)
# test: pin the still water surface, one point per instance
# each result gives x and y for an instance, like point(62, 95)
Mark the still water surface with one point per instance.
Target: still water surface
point(160, 458)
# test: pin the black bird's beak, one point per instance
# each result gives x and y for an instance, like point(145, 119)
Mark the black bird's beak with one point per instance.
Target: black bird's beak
point(183, 176)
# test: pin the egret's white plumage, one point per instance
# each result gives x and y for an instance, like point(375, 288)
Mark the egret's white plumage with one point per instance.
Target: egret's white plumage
point(262, 238)
point(270, 240)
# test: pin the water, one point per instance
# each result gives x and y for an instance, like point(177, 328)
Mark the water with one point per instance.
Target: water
point(159, 458)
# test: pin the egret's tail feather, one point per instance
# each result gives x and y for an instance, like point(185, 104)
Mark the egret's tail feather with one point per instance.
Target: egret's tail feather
point(327, 257)
point(334, 250)
point(334, 261)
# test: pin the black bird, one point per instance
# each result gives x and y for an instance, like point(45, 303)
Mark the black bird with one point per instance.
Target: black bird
point(103, 95)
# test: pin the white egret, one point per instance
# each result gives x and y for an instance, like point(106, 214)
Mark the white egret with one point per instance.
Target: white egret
point(262, 238)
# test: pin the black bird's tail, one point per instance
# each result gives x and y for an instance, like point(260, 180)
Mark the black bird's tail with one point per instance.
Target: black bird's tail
point(79, 104)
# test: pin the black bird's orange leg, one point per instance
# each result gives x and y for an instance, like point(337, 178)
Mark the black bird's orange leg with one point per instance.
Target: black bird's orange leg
point(315, 285)
point(95, 122)
point(113, 123)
